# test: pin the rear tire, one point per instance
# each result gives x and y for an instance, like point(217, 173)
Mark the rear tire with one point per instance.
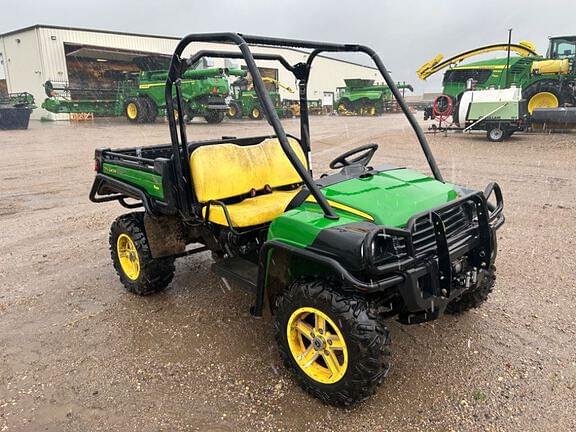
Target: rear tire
point(138, 271)
point(359, 344)
point(256, 113)
point(475, 298)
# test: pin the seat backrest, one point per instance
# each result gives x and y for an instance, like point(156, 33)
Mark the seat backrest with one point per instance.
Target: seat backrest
point(227, 170)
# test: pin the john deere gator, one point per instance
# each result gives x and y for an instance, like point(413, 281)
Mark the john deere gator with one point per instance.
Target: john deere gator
point(331, 256)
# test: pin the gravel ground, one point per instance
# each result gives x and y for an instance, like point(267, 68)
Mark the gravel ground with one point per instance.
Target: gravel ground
point(77, 353)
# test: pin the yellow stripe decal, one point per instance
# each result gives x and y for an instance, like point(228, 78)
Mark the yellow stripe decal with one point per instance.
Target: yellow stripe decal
point(343, 207)
point(147, 86)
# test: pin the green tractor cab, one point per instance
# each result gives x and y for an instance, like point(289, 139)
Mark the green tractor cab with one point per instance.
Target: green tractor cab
point(331, 257)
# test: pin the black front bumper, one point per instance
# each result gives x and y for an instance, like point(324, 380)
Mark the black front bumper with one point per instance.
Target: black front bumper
point(430, 278)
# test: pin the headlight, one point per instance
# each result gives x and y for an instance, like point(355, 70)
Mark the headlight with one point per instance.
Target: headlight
point(386, 248)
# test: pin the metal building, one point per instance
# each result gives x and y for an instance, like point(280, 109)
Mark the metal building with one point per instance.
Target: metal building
point(30, 56)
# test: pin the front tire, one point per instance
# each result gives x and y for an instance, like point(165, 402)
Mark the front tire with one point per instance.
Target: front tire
point(543, 94)
point(234, 110)
point(214, 117)
point(336, 348)
point(138, 271)
point(136, 110)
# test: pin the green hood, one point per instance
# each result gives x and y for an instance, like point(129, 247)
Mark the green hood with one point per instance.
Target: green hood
point(391, 197)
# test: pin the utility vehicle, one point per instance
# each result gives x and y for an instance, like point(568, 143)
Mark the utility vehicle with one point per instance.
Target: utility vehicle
point(330, 257)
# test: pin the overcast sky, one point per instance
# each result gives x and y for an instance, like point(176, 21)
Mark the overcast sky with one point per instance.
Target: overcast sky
point(405, 33)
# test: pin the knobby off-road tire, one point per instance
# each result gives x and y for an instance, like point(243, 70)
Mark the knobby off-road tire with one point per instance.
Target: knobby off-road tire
point(475, 298)
point(149, 275)
point(367, 341)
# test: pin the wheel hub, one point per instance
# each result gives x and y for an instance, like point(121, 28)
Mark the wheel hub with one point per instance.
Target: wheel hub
point(318, 343)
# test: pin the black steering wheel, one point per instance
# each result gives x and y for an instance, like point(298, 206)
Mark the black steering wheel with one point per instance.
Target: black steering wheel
point(366, 153)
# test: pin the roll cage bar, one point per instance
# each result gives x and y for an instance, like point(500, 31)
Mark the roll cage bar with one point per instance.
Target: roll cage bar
point(301, 72)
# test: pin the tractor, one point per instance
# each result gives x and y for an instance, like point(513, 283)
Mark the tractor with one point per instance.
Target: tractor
point(332, 257)
point(363, 97)
point(245, 101)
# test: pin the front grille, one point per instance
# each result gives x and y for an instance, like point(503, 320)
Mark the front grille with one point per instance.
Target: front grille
point(458, 222)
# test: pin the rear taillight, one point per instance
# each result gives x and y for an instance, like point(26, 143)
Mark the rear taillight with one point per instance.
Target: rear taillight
point(96, 165)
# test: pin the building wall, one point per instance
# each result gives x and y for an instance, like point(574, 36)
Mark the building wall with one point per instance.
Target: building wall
point(22, 63)
point(40, 57)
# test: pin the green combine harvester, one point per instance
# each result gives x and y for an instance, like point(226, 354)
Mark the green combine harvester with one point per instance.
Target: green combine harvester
point(363, 97)
point(546, 82)
point(140, 97)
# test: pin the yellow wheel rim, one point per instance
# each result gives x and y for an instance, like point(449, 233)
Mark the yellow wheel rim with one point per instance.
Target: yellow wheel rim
point(232, 111)
point(373, 111)
point(132, 111)
point(255, 113)
point(543, 100)
point(317, 345)
point(128, 256)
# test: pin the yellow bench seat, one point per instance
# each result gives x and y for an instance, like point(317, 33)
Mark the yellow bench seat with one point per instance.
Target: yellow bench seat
point(253, 211)
point(226, 171)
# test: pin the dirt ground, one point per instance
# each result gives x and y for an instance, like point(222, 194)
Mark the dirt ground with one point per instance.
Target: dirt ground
point(77, 353)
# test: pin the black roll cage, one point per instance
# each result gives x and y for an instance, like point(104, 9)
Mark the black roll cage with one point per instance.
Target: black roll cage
point(301, 72)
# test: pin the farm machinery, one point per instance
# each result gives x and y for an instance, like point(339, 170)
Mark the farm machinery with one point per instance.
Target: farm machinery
point(15, 110)
point(363, 97)
point(332, 257)
point(245, 102)
point(140, 97)
point(547, 82)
